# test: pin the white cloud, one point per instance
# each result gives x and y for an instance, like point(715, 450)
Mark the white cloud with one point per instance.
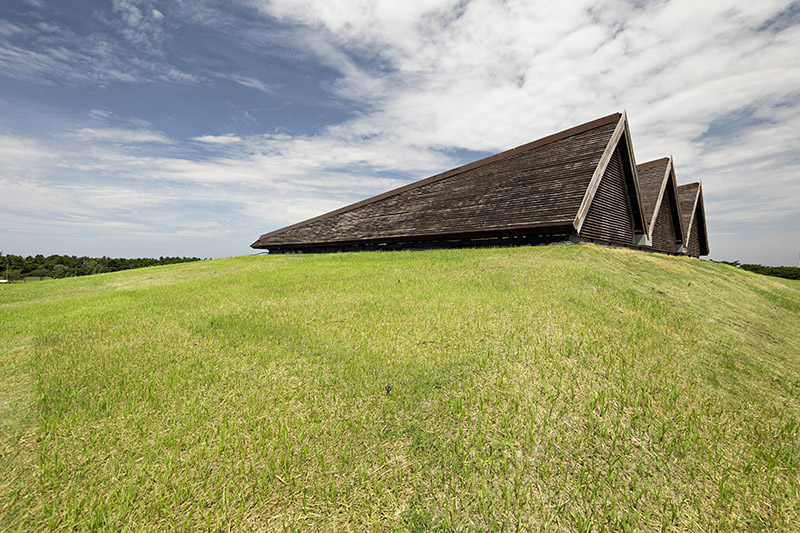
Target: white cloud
point(228, 138)
point(100, 114)
point(121, 135)
point(7, 29)
point(253, 83)
point(22, 157)
point(96, 184)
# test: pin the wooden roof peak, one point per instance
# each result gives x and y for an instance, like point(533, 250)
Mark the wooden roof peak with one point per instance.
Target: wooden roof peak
point(618, 118)
point(653, 163)
point(657, 178)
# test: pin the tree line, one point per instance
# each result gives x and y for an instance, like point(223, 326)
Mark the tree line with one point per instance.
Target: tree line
point(65, 266)
point(778, 272)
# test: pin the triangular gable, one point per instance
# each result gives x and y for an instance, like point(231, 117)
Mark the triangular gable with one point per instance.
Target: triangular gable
point(619, 195)
point(658, 186)
point(694, 218)
point(535, 189)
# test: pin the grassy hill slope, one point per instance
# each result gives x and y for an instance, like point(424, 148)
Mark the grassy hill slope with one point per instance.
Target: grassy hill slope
point(562, 387)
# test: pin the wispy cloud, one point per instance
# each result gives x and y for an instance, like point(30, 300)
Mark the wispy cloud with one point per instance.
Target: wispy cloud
point(253, 84)
point(121, 135)
point(125, 46)
point(228, 138)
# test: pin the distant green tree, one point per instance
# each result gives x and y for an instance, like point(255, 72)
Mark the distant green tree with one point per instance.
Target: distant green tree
point(60, 266)
point(39, 273)
point(89, 267)
point(780, 271)
point(58, 271)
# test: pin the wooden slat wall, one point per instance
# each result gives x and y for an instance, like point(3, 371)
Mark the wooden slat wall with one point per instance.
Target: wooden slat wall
point(609, 218)
point(664, 230)
point(540, 186)
point(694, 240)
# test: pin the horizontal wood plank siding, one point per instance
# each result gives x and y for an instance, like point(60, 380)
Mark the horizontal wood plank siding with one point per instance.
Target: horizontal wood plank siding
point(663, 229)
point(694, 242)
point(609, 217)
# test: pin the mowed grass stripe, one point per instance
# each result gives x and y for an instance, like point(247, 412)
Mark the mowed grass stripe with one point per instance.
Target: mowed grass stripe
point(562, 387)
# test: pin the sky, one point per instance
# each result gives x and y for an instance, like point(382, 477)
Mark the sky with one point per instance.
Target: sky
point(141, 128)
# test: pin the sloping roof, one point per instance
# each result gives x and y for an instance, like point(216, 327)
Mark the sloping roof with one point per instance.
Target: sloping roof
point(659, 190)
point(544, 186)
point(694, 218)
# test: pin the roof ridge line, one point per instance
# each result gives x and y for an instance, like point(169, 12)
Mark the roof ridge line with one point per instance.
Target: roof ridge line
point(652, 163)
point(558, 136)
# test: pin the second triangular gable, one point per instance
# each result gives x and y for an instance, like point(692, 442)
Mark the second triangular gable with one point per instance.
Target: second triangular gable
point(666, 230)
point(663, 230)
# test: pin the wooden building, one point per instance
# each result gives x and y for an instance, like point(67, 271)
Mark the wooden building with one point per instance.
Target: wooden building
point(659, 191)
point(579, 184)
point(693, 218)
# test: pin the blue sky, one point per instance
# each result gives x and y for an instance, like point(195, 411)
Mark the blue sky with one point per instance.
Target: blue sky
point(146, 128)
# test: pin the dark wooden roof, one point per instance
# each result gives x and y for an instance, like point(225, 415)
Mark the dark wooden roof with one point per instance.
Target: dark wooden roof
point(659, 191)
point(542, 186)
point(687, 195)
point(694, 218)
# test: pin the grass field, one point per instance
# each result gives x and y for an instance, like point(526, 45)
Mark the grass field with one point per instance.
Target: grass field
point(571, 388)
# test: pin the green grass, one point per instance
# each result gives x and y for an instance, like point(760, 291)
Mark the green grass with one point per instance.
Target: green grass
point(573, 388)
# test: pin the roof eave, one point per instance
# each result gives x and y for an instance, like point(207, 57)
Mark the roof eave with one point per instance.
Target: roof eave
point(549, 228)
